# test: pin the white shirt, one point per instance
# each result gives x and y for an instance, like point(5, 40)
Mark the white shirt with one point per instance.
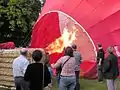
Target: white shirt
point(117, 51)
point(19, 66)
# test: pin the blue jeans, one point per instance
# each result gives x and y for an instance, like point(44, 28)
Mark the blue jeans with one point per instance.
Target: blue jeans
point(67, 83)
point(58, 78)
point(111, 84)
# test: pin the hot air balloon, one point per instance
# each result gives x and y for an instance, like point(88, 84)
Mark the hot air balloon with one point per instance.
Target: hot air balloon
point(83, 22)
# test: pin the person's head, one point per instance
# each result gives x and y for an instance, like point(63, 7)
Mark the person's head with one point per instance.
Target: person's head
point(69, 51)
point(99, 45)
point(37, 55)
point(24, 52)
point(110, 49)
point(47, 58)
point(74, 46)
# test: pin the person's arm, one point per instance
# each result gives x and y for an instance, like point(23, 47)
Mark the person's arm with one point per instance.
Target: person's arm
point(25, 65)
point(101, 57)
point(97, 57)
point(57, 64)
point(100, 60)
point(80, 59)
point(117, 51)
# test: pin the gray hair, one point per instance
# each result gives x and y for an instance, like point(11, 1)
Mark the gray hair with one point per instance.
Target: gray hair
point(23, 51)
point(110, 49)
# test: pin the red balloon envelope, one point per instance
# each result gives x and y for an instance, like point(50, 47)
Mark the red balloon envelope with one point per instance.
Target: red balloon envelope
point(85, 22)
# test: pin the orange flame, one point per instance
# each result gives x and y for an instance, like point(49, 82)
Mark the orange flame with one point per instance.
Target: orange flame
point(65, 40)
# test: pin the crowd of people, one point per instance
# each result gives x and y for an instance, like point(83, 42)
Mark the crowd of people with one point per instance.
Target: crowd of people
point(107, 67)
point(38, 75)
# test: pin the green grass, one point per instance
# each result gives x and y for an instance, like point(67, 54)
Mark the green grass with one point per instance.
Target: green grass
point(91, 85)
point(88, 85)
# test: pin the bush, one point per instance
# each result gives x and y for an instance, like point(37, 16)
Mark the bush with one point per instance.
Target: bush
point(17, 19)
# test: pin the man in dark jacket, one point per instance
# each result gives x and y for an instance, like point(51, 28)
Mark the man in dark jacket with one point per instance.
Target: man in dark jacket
point(100, 59)
point(110, 69)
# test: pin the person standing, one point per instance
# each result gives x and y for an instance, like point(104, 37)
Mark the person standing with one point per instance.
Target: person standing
point(110, 69)
point(67, 76)
point(19, 67)
point(47, 63)
point(100, 60)
point(78, 59)
point(37, 73)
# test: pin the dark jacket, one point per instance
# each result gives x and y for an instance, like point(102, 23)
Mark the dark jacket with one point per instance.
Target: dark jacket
point(100, 54)
point(110, 67)
point(34, 74)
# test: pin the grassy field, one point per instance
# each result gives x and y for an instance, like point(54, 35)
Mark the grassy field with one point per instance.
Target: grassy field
point(88, 85)
point(92, 85)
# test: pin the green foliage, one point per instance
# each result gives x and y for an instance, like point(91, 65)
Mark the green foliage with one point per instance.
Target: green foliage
point(16, 20)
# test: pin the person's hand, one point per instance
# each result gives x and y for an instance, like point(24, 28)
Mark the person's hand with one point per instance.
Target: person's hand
point(52, 65)
point(99, 64)
point(50, 85)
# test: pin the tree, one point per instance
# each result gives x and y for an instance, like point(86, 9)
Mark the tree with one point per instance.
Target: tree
point(16, 20)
